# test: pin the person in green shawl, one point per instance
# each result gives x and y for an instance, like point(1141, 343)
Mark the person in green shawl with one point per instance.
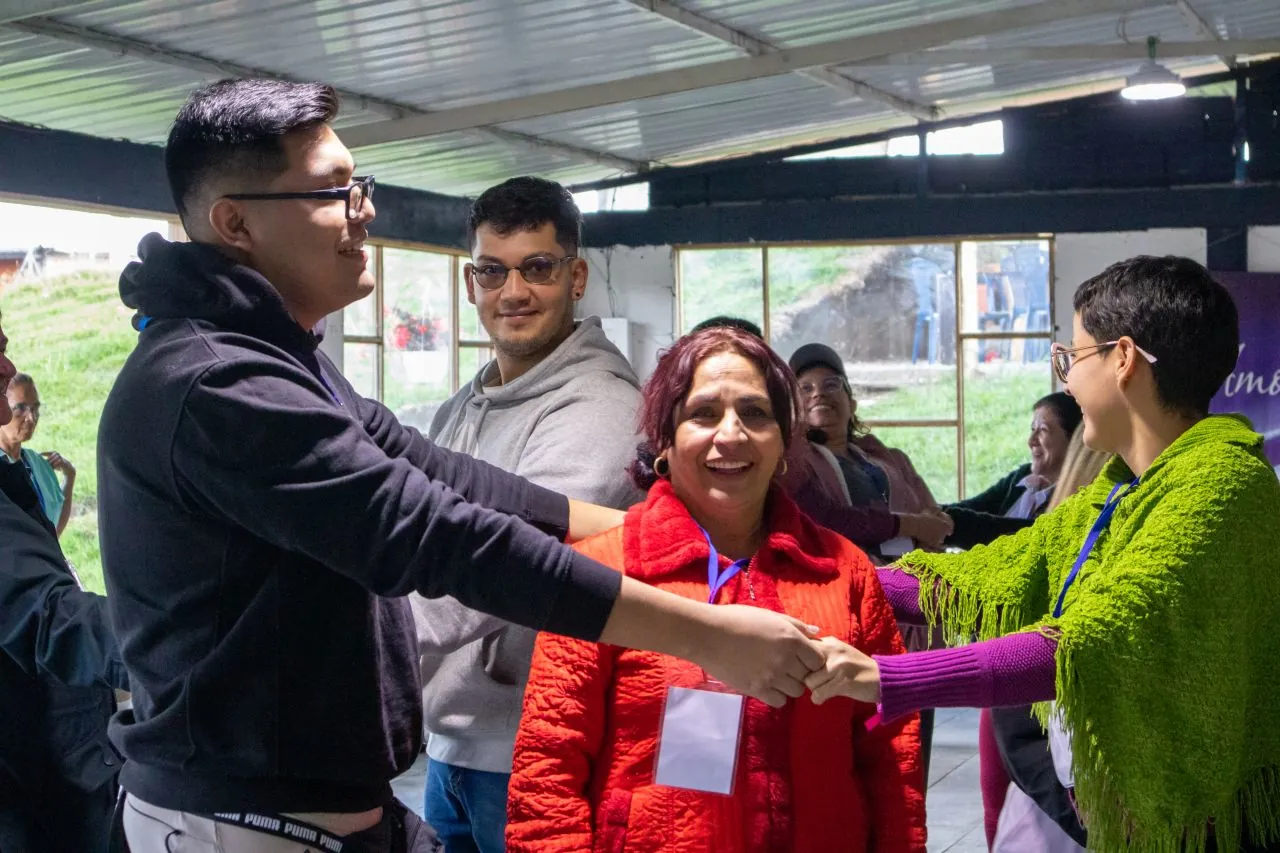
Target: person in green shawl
point(1138, 612)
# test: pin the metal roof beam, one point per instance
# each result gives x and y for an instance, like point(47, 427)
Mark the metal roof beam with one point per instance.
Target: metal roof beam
point(838, 52)
point(1076, 53)
point(1201, 28)
point(755, 46)
point(393, 110)
point(18, 10)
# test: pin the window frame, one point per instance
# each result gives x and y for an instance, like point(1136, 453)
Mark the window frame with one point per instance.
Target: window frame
point(457, 259)
point(962, 337)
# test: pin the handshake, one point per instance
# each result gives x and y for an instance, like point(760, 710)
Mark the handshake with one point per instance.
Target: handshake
point(771, 656)
point(929, 529)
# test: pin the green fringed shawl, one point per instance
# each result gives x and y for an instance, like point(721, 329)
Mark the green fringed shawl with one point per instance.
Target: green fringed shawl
point(1169, 644)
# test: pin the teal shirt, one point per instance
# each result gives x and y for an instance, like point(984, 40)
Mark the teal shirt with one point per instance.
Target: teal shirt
point(47, 484)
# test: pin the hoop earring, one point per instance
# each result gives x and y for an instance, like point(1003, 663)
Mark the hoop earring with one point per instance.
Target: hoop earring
point(662, 467)
point(783, 472)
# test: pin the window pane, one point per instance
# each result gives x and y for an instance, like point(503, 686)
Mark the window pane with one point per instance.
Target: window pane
point(469, 328)
point(932, 451)
point(470, 360)
point(889, 311)
point(360, 318)
point(998, 399)
point(1005, 287)
point(360, 366)
point(721, 281)
point(417, 361)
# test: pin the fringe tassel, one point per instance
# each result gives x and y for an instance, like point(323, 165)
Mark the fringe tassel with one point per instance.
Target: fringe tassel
point(1113, 829)
point(961, 614)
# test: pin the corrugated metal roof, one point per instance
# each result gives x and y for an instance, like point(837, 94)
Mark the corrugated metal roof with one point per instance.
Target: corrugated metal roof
point(438, 54)
point(432, 54)
point(794, 24)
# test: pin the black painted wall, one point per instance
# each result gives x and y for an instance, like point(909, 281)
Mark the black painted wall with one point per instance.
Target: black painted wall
point(72, 167)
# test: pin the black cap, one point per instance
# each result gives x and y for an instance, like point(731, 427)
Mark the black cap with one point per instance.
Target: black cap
point(814, 355)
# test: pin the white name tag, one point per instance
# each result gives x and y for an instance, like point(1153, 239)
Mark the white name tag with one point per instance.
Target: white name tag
point(698, 746)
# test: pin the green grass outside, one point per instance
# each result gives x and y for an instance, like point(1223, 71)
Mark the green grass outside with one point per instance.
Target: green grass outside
point(998, 401)
point(72, 334)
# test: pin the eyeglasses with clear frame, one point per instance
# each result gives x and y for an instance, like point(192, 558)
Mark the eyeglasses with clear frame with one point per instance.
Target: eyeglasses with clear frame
point(354, 194)
point(1064, 359)
point(492, 276)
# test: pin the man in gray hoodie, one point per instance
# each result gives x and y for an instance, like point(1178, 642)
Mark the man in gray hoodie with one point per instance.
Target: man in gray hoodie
point(557, 406)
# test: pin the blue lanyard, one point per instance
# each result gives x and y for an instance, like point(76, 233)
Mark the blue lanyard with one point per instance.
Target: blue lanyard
point(1104, 519)
point(716, 579)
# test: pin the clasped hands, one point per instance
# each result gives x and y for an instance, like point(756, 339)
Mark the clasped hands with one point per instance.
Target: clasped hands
point(772, 656)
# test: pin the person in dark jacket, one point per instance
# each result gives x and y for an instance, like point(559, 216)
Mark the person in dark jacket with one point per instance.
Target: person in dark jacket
point(1017, 499)
point(261, 522)
point(58, 666)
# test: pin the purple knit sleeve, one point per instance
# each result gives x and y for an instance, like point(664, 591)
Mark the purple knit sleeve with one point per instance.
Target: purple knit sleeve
point(903, 592)
point(1017, 669)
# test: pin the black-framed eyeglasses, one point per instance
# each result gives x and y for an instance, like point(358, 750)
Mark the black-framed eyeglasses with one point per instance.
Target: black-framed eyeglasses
point(354, 194)
point(20, 409)
point(1064, 359)
point(534, 271)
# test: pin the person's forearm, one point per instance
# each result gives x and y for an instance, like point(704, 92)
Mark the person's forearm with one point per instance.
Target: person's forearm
point(648, 618)
point(758, 652)
point(903, 592)
point(68, 490)
point(864, 526)
point(1017, 669)
point(587, 520)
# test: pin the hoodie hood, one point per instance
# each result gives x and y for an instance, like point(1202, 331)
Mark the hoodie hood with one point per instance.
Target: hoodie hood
point(585, 375)
point(586, 350)
point(194, 281)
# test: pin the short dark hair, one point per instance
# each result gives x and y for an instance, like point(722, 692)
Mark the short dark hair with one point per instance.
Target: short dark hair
point(673, 377)
point(1065, 409)
point(1173, 309)
point(724, 321)
point(235, 127)
point(22, 379)
point(525, 204)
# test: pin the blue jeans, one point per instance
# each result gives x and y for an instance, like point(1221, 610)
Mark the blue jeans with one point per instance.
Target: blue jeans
point(467, 808)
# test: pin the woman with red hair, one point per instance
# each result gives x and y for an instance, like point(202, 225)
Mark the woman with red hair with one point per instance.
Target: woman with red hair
point(634, 750)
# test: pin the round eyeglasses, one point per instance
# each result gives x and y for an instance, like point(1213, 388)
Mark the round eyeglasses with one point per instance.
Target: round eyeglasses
point(491, 276)
point(1064, 359)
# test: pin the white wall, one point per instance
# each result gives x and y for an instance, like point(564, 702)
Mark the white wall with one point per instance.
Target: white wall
point(640, 285)
point(1078, 257)
point(1264, 248)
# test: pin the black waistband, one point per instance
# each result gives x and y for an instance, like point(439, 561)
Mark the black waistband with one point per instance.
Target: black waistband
point(290, 829)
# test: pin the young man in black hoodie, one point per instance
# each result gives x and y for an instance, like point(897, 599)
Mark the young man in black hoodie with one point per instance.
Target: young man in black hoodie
point(260, 521)
point(58, 665)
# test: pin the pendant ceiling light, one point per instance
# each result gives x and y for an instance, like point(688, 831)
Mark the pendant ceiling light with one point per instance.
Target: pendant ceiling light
point(1153, 82)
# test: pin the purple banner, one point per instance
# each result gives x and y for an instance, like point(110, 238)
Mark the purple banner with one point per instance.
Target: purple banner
point(1253, 389)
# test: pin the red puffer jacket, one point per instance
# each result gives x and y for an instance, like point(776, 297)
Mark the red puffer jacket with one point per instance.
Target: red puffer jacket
point(809, 778)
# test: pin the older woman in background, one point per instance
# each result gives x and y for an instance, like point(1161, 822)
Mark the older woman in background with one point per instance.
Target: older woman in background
point(872, 474)
point(601, 761)
point(43, 468)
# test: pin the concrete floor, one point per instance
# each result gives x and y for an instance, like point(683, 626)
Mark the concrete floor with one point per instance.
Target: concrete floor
point(954, 801)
